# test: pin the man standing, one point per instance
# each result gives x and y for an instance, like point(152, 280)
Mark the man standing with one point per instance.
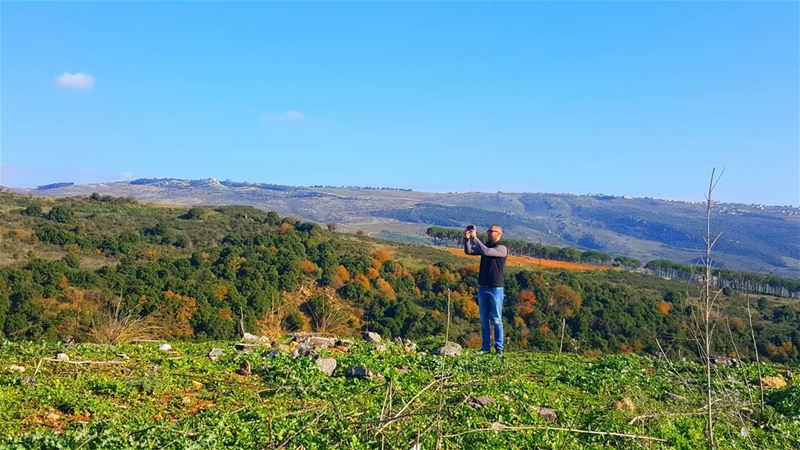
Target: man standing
point(490, 283)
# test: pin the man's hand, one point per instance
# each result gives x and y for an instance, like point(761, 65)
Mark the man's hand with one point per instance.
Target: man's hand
point(470, 234)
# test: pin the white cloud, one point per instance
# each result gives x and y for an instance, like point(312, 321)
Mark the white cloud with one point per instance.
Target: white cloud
point(291, 115)
point(78, 81)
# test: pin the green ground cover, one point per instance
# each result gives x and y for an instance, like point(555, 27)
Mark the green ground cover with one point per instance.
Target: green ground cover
point(182, 399)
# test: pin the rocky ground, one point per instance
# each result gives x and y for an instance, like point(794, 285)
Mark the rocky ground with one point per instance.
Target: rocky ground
point(320, 391)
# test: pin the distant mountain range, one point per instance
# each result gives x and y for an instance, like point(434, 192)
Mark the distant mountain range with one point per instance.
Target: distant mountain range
point(758, 238)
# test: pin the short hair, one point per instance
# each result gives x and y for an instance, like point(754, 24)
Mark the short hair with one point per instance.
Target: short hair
point(494, 225)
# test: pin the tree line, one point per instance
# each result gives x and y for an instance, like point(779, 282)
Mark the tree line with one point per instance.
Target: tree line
point(754, 283)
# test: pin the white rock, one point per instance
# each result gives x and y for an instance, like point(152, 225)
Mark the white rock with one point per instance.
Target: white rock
point(215, 353)
point(249, 337)
point(326, 365)
point(165, 348)
point(449, 349)
point(16, 368)
point(62, 357)
point(371, 336)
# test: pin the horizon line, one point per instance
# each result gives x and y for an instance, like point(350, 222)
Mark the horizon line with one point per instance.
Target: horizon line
point(434, 191)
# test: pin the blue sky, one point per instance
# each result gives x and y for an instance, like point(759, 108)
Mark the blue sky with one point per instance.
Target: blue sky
point(631, 98)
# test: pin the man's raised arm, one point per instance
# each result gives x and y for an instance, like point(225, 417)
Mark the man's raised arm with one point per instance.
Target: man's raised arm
point(479, 248)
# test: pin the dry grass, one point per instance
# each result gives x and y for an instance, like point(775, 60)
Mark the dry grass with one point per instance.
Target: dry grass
point(525, 261)
point(114, 325)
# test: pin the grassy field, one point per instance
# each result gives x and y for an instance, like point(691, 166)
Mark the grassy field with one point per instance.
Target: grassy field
point(135, 396)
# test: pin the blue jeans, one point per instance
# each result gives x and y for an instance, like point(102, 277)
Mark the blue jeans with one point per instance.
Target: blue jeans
point(490, 304)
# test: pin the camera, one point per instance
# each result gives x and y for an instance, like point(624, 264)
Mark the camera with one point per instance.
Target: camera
point(471, 228)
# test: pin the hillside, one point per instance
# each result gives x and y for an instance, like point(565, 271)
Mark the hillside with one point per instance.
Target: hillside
point(136, 396)
point(757, 238)
point(73, 266)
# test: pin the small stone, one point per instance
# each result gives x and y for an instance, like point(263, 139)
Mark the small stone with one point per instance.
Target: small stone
point(155, 368)
point(244, 369)
point(215, 353)
point(722, 361)
point(448, 349)
point(497, 426)
point(359, 372)
point(409, 345)
point(68, 340)
point(341, 346)
point(62, 357)
point(326, 365)
point(378, 348)
point(744, 432)
point(244, 348)
point(165, 348)
point(248, 337)
point(371, 336)
point(16, 368)
point(480, 402)
point(122, 356)
point(547, 414)
point(310, 345)
point(624, 404)
point(28, 379)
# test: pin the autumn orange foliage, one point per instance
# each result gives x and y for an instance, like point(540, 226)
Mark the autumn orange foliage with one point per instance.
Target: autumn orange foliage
point(527, 302)
point(372, 273)
point(220, 292)
point(176, 313)
point(465, 305)
point(381, 254)
point(342, 273)
point(308, 266)
point(363, 281)
point(565, 300)
point(385, 288)
point(786, 348)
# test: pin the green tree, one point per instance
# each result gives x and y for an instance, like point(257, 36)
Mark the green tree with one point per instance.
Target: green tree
point(60, 214)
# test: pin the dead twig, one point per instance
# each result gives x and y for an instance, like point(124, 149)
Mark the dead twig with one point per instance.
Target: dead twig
point(408, 403)
point(496, 427)
point(83, 362)
point(652, 416)
point(289, 439)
